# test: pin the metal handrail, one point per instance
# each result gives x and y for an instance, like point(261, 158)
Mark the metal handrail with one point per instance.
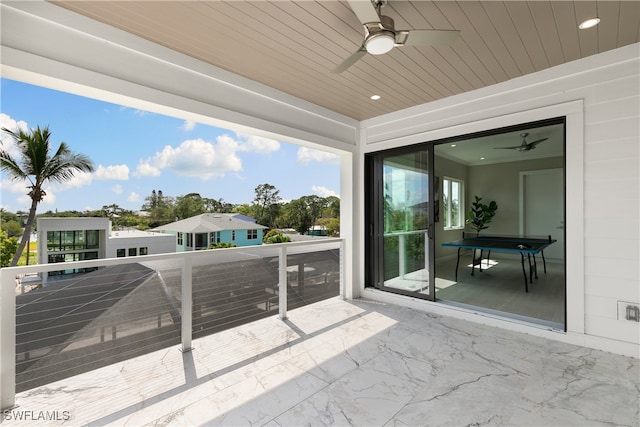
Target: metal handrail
point(184, 260)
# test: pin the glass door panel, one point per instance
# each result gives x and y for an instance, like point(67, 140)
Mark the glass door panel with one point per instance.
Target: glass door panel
point(406, 242)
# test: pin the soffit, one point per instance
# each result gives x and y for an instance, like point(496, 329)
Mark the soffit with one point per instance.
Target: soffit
point(292, 46)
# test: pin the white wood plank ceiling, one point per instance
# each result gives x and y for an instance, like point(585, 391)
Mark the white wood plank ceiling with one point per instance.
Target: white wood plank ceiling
point(294, 45)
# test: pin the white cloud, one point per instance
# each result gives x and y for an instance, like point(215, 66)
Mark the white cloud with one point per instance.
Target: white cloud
point(307, 155)
point(188, 125)
point(15, 186)
point(49, 198)
point(145, 168)
point(79, 179)
point(133, 197)
point(205, 159)
point(117, 189)
point(7, 142)
point(196, 158)
point(323, 191)
point(115, 173)
point(257, 144)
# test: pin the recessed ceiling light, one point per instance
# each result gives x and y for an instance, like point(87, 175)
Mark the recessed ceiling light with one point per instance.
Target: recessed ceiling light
point(592, 22)
point(481, 158)
point(453, 145)
point(375, 97)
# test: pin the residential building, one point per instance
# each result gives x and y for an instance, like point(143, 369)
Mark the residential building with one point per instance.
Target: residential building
point(79, 239)
point(201, 231)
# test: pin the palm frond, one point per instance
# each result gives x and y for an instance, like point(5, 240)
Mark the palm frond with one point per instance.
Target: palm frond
point(10, 165)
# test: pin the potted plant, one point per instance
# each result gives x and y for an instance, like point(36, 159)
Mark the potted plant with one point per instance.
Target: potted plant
point(481, 214)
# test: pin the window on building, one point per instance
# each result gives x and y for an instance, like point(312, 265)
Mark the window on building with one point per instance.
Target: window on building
point(144, 251)
point(252, 234)
point(133, 251)
point(453, 197)
point(180, 239)
point(92, 239)
point(120, 253)
point(73, 240)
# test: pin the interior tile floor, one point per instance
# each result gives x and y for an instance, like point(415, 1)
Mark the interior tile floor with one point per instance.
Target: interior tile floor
point(356, 363)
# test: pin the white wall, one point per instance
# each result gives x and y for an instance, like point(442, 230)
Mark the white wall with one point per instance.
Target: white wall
point(156, 243)
point(600, 96)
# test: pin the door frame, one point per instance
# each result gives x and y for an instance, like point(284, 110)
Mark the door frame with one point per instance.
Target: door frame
point(374, 219)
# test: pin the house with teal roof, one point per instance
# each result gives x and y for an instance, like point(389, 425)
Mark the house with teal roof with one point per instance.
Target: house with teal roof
point(201, 231)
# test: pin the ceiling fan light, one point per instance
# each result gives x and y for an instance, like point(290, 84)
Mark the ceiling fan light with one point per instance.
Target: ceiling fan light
point(380, 43)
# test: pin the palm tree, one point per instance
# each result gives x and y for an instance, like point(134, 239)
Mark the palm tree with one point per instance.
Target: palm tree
point(37, 166)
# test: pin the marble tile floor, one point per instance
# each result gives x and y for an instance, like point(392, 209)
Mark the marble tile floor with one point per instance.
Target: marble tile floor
point(357, 363)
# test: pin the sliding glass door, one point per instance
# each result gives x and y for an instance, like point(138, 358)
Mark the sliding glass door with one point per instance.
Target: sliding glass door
point(399, 215)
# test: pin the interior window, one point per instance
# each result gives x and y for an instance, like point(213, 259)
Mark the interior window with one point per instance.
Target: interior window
point(453, 203)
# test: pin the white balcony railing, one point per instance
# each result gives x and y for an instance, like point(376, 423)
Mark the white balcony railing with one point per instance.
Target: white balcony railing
point(129, 306)
point(403, 268)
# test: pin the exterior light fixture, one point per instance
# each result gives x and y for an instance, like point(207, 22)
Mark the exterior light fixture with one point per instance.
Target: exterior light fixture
point(375, 97)
point(589, 23)
point(380, 42)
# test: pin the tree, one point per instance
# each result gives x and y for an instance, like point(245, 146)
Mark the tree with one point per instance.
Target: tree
point(266, 201)
point(12, 228)
point(37, 166)
point(6, 216)
point(315, 205)
point(8, 247)
point(160, 208)
point(298, 215)
point(189, 205)
point(333, 207)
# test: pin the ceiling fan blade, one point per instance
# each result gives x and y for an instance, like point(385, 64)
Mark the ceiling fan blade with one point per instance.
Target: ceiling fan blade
point(534, 143)
point(517, 147)
point(350, 61)
point(365, 10)
point(429, 37)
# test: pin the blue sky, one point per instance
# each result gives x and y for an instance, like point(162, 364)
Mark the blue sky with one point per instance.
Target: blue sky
point(135, 152)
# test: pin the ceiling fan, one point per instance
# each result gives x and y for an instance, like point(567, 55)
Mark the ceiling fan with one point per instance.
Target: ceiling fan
point(525, 146)
point(381, 35)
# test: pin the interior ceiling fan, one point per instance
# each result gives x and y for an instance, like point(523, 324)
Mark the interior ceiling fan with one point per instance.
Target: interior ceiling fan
point(381, 35)
point(525, 146)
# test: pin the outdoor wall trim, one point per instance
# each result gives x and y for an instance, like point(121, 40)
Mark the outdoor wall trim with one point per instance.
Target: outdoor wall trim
point(47, 45)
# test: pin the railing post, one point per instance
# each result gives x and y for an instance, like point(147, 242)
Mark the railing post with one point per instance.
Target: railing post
point(282, 285)
point(7, 340)
point(342, 264)
point(187, 303)
point(401, 256)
